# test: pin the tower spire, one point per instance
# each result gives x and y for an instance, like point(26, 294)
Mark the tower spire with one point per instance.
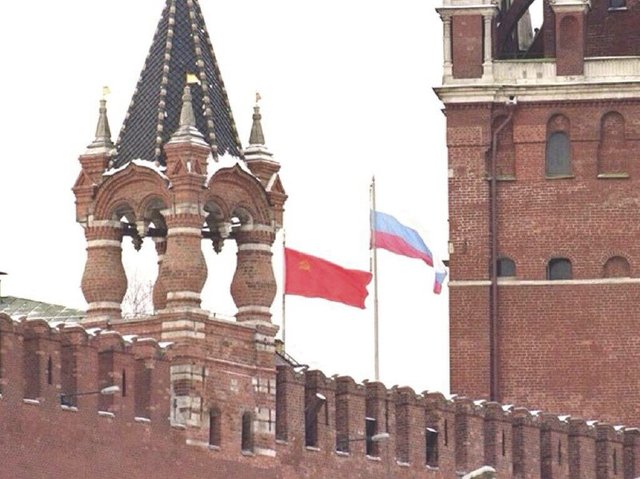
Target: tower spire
point(102, 142)
point(181, 47)
point(257, 136)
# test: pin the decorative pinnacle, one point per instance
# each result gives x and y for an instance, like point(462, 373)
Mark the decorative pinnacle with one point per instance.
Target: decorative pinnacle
point(257, 136)
point(187, 118)
point(103, 132)
point(187, 129)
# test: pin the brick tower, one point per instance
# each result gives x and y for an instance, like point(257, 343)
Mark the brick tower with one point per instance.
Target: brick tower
point(543, 129)
point(178, 176)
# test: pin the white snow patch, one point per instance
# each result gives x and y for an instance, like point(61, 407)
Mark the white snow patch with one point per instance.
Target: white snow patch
point(129, 338)
point(507, 407)
point(479, 402)
point(139, 162)
point(619, 428)
point(165, 344)
point(535, 413)
point(106, 414)
point(564, 418)
point(592, 423)
point(225, 161)
point(479, 472)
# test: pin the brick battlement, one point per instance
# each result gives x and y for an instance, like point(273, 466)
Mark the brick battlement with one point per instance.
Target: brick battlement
point(322, 427)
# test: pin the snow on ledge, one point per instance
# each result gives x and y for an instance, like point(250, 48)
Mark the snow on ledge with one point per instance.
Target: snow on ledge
point(33, 402)
point(106, 414)
point(145, 420)
point(225, 161)
point(139, 162)
point(478, 473)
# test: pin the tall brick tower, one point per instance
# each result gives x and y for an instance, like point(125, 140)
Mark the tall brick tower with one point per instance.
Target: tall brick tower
point(178, 176)
point(543, 129)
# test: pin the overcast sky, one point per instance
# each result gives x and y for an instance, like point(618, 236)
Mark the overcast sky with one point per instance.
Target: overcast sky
point(347, 93)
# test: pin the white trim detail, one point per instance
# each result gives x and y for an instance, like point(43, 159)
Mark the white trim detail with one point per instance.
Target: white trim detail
point(98, 223)
point(254, 247)
point(184, 231)
point(265, 452)
point(104, 243)
point(256, 227)
point(183, 295)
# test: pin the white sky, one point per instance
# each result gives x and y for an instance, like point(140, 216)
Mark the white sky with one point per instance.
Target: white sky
point(346, 88)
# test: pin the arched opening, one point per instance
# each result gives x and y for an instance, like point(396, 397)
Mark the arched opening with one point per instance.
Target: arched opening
point(558, 155)
point(220, 253)
point(612, 154)
point(140, 258)
point(616, 267)
point(558, 269)
point(506, 267)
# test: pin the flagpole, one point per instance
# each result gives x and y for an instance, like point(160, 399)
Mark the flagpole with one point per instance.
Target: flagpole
point(284, 282)
point(374, 272)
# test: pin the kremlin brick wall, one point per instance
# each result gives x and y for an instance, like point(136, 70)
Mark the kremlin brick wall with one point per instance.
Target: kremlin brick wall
point(318, 431)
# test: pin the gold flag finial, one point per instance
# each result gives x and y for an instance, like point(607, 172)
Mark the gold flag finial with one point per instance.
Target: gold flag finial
point(258, 97)
point(105, 91)
point(192, 78)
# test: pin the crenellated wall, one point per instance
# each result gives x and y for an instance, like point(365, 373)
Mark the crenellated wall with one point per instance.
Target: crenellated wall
point(322, 427)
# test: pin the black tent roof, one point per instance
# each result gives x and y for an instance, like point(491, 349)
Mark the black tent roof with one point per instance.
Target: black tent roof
point(181, 48)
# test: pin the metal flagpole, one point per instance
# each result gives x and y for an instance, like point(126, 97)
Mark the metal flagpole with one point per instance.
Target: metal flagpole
point(284, 285)
point(374, 272)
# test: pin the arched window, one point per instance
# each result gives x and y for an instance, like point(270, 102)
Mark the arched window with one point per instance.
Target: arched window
point(506, 267)
point(247, 432)
point(558, 156)
point(558, 150)
point(559, 268)
point(214, 427)
point(616, 267)
point(612, 154)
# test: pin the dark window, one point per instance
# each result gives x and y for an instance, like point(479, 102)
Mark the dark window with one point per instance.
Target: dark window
point(558, 156)
point(504, 445)
point(124, 383)
point(617, 3)
point(371, 427)
point(506, 267)
point(49, 371)
point(559, 268)
point(431, 441)
point(559, 452)
point(615, 462)
point(247, 432)
point(214, 427)
point(446, 432)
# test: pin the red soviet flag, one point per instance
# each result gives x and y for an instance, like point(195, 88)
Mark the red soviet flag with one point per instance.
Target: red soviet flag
point(315, 277)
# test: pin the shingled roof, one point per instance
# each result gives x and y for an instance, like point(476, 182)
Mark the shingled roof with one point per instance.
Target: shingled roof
point(181, 46)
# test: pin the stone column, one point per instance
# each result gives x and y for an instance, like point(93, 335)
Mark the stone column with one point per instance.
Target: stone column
point(104, 282)
point(159, 291)
point(487, 64)
point(446, 54)
point(254, 286)
point(183, 271)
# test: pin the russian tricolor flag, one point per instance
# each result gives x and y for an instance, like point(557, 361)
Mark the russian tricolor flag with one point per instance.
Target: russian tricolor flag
point(390, 234)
